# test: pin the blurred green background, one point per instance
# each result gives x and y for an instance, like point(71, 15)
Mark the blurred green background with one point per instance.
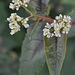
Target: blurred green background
point(10, 46)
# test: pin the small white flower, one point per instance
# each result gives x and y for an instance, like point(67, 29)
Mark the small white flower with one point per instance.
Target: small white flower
point(65, 30)
point(62, 24)
point(68, 25)
point(17, 8)
point(26, 19)
point(16, 4)
point(26, 26)
point(50, 35)
point(12, 32)
point(48, 25)
point(8, 19)
point(26, 5)
point(13, 15)
point(24, 22)
point(11, 26)
point(12, 6)
point(15, 29)
point(67, 19)
point(57, 26)
point(19, 18)
point(46, 31)
point(54, 23)
point(16, 1)
point(14, 20)
point(59, 18)
point(57, 33)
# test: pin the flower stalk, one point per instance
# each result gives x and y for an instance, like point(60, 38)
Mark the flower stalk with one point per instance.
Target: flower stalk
point(14, 19)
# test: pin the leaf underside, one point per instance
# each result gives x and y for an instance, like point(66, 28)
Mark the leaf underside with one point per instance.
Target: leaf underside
point(55, 49)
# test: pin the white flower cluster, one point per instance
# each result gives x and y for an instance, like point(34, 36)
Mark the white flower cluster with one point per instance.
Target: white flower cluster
point(59, 26)
point(15, 20)
point(16, 4)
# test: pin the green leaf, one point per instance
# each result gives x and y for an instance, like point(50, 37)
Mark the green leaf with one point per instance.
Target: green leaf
point(69, 63)
point(41, 6)
point(43, 70)
point(33, 55)
point(69, 2)
point(72, 30)
point(71, 13)
point(55, 49)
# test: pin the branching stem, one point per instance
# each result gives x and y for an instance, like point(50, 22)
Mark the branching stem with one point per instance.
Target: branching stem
point(29, 12)
point(43, 19)
point(32, 15)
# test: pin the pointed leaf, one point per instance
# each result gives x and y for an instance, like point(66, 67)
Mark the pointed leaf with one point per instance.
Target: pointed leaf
point(32, 50)
point(55, 49)
point(43, 70)
point(41, 6)
point(33, 54)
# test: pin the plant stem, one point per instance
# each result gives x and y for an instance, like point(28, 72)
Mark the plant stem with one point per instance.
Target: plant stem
point(72, 23)
point(29, 12)
point(43, 19)
point(32, 15)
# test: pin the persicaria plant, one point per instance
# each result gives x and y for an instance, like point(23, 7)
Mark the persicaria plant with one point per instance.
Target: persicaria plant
point(51, 31)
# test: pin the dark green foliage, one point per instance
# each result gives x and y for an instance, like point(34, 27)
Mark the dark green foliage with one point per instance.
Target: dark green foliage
point(32, 56)
point(10, 46)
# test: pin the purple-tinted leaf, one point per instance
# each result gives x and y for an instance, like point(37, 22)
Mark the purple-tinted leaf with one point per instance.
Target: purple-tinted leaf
point(32, 55)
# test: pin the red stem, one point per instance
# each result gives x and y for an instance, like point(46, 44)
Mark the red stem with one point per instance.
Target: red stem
point(43, 19)
point(72, 23)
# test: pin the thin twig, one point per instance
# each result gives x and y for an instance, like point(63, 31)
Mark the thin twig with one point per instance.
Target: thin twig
point(29, 12)
point(32, 15)
point(43, 19)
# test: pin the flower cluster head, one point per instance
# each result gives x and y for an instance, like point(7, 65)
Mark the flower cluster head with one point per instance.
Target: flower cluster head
point(61, 24)
point(15, 21)
point(16, 4)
